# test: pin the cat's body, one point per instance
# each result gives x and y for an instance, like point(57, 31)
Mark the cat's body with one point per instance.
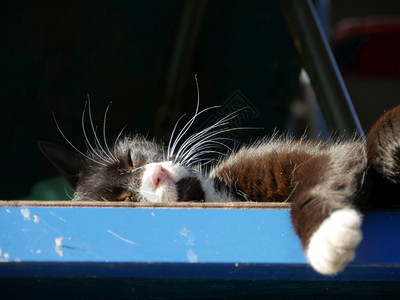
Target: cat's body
point(325, 182)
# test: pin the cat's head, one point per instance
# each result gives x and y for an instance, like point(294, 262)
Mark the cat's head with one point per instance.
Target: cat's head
point(134, 169)
point(142, 170)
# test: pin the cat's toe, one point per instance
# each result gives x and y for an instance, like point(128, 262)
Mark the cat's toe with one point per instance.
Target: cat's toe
point(333, 244)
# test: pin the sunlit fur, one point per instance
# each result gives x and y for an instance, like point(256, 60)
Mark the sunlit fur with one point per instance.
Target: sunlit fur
point(324, 181)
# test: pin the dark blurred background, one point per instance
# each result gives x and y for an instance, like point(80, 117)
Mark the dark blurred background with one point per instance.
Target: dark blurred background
point(143, 56)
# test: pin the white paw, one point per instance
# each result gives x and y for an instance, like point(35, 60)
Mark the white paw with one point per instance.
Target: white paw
point(333, 244)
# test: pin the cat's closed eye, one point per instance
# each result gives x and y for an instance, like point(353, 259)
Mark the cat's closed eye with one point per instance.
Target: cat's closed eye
point(128, 164)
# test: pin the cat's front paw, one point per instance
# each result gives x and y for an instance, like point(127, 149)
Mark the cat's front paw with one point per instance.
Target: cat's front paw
point(333, 244)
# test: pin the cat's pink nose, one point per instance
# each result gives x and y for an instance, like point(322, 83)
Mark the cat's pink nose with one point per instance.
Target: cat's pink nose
point(159, 175)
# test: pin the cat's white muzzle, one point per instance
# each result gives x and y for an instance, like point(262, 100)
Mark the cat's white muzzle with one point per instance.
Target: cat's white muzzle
point(159, 181)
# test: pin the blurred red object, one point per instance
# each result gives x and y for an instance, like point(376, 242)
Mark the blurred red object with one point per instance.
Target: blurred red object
point(368, 47)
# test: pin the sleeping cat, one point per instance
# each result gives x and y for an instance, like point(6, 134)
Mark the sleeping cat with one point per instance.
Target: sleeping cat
point(325, 182)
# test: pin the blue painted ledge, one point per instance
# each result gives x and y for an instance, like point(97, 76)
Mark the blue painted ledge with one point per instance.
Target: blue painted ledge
point(180, 244)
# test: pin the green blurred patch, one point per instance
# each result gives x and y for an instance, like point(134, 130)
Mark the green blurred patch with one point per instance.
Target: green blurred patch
point(53, 189)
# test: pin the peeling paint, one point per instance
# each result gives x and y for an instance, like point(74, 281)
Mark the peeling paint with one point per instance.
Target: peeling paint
point(188, 236)
point(58, 242)
point(36, 219)
point(58, 246)
point(4, 257)
point(26, 214)
point(191, 256)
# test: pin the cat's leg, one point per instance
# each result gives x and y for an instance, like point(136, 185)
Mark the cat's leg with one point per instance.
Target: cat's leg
point(329, 237)
point(333, 244)
point(322, 214)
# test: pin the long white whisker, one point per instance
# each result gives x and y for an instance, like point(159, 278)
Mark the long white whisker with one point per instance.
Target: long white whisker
point(191, 121)
point(104, 133)
point(171, 137)
point(200, 153)
point(67, 193)
point(84, 130)
point(183, 131)
point(109, 159)
point(94, 152)
point(207, 143)
point(72, 145)
point(200, 135)
point(187, 126)
point(119, 135)
point(204, 136)
point(117, 139)
point(209, 161)
point(190, 155)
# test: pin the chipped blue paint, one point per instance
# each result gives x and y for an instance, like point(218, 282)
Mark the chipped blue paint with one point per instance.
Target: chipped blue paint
point(205, 243)
point(148, 235)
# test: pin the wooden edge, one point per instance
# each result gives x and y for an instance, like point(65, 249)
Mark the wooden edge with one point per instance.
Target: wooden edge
point(192, 205)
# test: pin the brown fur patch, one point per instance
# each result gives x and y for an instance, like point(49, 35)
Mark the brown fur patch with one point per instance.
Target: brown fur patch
point(266, 178)
point(383, 146)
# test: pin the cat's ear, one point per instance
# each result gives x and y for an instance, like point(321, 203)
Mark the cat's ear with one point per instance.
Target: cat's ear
point(69, 163)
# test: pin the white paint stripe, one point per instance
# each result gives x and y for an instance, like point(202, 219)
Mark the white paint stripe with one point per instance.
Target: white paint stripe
point(121, 238)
